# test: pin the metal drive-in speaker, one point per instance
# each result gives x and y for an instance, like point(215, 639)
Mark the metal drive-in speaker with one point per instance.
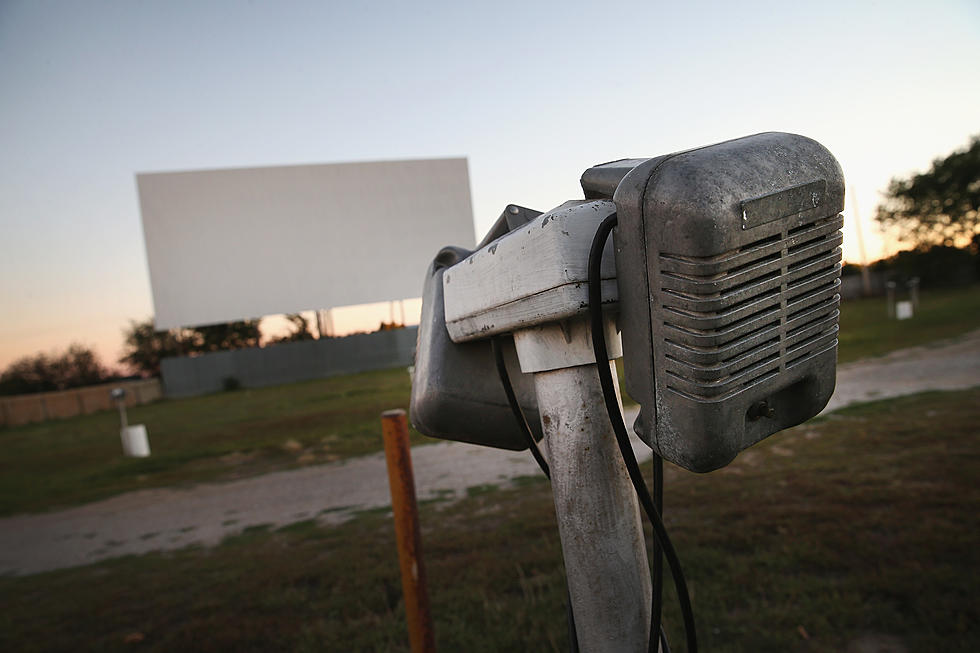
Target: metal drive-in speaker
point(728, 266)
point(456, 391)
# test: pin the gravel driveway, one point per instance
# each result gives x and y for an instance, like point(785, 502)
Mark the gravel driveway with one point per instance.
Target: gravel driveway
point(154, 520)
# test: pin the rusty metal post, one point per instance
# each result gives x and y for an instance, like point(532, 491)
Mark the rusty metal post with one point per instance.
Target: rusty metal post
point(394, 428)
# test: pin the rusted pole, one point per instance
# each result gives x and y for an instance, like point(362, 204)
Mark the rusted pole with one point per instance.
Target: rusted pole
point(394, 428)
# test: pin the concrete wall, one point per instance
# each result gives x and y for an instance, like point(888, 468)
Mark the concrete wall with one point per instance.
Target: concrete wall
point(288, 362)
point(24, 409)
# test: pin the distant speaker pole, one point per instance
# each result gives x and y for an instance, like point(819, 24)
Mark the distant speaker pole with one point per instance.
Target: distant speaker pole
point(865, 272)
point(319, 324)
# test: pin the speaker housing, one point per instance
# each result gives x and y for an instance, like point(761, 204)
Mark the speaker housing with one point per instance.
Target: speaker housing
point(728, 267)
point(456, 391)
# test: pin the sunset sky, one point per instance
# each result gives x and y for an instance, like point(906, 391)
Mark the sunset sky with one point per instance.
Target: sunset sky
point(532, 94)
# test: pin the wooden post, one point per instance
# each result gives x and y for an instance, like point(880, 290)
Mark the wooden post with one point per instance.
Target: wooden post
point(394, 428)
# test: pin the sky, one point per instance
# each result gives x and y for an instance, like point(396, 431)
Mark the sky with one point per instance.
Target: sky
point(92, 92)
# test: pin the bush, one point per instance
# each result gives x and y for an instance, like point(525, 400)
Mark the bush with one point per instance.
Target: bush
point(78, 366)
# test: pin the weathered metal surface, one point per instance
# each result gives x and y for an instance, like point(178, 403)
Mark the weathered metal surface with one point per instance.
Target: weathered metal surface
point(394, 428)
point(512, 217)
point(533, 275)
point(783, 203)
point(456, 393)
point(598, 515)
point(545, 347)
point(596, 506)
point(728, 258)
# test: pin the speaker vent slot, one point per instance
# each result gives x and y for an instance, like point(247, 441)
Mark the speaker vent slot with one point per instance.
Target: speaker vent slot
point(737, 318)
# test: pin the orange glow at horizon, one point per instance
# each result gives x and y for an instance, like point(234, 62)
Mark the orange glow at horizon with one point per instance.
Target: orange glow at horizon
point(347, 320)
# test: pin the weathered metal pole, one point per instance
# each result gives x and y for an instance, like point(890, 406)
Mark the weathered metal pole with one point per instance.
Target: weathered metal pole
point(394, 428)
point(598, 514)
point(123, 422)
point(890, 297)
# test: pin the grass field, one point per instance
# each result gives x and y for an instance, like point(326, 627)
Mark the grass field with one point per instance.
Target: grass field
point(248, 432)
point(219, 436)
point(861, 525)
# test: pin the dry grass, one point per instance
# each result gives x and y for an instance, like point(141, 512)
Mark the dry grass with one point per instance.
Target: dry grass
point(860, 525)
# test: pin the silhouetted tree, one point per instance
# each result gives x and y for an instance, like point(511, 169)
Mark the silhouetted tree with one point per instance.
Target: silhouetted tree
point(938, 207)
point(27, 374)
point(144, 347)
point(219, 337)
point(300, 329)
point(80, 366)
point(76, 367)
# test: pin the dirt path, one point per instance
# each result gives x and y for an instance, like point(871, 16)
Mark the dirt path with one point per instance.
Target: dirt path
point(946, 365)
point(154, 520)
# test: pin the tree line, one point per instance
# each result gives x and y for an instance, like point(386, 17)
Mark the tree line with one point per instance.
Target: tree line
point(144, 347)
point(77, 366)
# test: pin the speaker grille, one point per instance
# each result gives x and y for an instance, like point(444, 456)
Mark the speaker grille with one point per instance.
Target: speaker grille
point(737, 318)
